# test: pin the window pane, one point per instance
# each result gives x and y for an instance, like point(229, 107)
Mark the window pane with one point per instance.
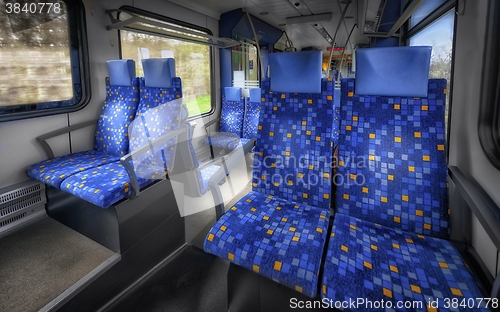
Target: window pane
point(245, 66)
point(192, 64)
point(35, 58)
point(426, 8)
point(439, 35)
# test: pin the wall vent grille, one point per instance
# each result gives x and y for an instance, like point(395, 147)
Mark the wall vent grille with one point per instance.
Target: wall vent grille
point(9, 221)
point(19, 202)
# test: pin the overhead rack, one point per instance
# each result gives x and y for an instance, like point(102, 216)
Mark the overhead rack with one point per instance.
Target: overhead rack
point(122, 19)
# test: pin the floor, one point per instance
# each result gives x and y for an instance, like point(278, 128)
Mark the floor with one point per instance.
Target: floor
point(191, 281)
point(49, 257)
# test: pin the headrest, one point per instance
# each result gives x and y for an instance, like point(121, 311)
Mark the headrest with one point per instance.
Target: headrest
point(393, 71)
point(158, 72)
point(121, 72)
point(255, 95)
point(296, 71)
point(233, 94)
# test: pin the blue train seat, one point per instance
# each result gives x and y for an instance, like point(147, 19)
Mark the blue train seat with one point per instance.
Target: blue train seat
point(279, 229)
point(250, 119)
point(158, 114)
point(110, 141)
point(231, 120)
point(189, 170)
point(388, 240)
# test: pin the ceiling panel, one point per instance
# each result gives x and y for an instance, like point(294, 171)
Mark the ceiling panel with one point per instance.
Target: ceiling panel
point(302, 35)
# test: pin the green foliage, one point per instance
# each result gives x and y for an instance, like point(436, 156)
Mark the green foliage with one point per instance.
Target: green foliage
point(199, 105)
point(192, 60)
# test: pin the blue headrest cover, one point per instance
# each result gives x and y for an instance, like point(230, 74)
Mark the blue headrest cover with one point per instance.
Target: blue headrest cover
point(393, 71)
point(233, 94)
point(121, 72)
point(296, 71)
point(158, 72)
point(255, 95)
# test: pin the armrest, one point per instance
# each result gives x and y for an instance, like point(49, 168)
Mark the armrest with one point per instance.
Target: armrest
point(43, 138)
point(208, 124)
point(484, 209)
point(228, 163)
point(125, 160)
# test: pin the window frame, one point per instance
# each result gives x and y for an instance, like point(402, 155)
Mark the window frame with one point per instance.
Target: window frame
point(489, 105)
point(182, 24)
point(77, 33)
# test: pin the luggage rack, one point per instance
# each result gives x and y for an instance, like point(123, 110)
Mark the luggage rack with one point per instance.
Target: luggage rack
point(123, 19)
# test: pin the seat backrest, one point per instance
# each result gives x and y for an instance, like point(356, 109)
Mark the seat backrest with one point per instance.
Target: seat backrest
point(160, 85)
point(159, 110)
point(392, 162)
point(294, 150)
point(336, 121)
point(232, 111)
point(119, 109)
point(252, 109)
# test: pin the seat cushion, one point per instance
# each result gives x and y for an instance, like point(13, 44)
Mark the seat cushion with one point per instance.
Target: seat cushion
point(205, 174)
point(222, 140)
point(107, 184)
point(370, 261)
point(238, 143)
point(53, 171)
point(278, 239)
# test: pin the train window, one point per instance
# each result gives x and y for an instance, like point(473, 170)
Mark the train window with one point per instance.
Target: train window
point(43, 38)
point(439, 35)
point(245, 66)
point(192, 61)
point(424, 10)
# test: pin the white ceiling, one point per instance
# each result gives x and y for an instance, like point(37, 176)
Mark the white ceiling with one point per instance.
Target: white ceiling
point(302, 35)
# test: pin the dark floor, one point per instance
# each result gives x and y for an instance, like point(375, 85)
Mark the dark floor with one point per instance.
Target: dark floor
point(191, 281)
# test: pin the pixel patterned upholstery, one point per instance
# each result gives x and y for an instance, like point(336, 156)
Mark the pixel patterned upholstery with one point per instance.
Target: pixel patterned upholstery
point(294, 144)
point(402, 142)
point(204, 175)
point(159, 113)
point(232, 111)
point(392, 211)
point(250, 119)
point(110, 142)
point(279, 229)
point(252, 109)
point(231, 122)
